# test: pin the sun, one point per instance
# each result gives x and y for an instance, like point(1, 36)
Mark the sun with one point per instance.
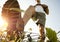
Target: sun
point(3, 24)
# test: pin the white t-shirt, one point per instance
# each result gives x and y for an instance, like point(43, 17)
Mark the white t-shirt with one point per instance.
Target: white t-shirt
point(39, 8)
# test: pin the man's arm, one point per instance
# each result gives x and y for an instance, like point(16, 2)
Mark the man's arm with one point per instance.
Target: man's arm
point(45, 8)
point(28, 14)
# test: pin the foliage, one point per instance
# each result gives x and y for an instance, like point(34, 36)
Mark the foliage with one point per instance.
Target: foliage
point(51, 34)
point(17, 9)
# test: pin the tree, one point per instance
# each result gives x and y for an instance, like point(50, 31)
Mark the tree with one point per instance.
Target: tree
point(51, 34)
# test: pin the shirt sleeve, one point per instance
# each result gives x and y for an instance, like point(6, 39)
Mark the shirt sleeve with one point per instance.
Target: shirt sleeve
point(45, 8)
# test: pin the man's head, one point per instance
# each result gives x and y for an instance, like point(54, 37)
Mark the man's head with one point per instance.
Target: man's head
point(38, 1)
point(11, 0)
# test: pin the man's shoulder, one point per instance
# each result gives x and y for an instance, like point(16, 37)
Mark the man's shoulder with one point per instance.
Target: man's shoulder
point(44, 5)
point(45, 8)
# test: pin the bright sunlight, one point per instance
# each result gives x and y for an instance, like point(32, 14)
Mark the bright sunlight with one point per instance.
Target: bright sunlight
point(3, 24)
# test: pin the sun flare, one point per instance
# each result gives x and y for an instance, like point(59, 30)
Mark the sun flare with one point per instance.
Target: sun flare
point(3, 24)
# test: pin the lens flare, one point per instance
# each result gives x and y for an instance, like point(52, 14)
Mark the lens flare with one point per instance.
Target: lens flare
point(3, 24)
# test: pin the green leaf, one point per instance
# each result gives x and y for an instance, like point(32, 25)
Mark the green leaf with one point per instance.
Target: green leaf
point(51, 34)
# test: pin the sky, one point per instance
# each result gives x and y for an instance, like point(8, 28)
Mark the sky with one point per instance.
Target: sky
point(52, 20)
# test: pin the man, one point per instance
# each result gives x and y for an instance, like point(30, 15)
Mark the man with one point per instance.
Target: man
point(37, 12)
point(40, 15)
